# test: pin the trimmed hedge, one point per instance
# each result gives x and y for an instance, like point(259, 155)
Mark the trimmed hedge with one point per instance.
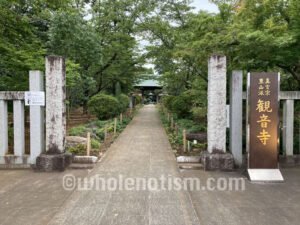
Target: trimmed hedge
point(104, 106)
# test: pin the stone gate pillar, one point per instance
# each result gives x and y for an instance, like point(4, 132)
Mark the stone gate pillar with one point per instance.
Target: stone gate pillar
point(216, 156)
point(56, 104)
point(216, 104)
point(55, 158)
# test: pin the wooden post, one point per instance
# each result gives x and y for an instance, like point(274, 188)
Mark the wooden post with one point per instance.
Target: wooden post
point(168, 117)
point(88, 147)
point(115, 128)
point(176, 128)
point(105, 134)
point(184, 141)
point(121, 118)
point(172, 124)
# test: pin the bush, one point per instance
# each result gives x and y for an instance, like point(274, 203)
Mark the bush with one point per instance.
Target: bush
point(77, 150)
point(100, 133)
point(104, 106)
point(199, 113)
point(182, 105)
point(167, 101)
point(95, 144)
point(124, 102)
point(76, 131)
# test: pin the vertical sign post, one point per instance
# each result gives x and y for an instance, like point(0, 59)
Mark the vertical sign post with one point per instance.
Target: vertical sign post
point(263, 139)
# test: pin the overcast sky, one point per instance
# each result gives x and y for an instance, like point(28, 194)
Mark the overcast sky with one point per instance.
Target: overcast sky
point(204, 5)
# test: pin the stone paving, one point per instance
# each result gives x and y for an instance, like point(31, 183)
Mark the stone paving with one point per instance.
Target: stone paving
point(31, 198)
point(258, 204)
point(141, 151)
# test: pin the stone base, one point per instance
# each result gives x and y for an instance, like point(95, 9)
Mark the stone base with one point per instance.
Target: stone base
point(217, 161)
point(289, 161)
point(53, 162)
point(15, 162)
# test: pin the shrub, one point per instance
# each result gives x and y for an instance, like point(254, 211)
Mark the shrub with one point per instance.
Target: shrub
point(95, 144)
point(101, 123)
point(78, 149)
point(76, 131)
point(100, 133)
point(167, 101)
point(182, 105)
point(103, 106)
point(124, 102)
point(199, 113)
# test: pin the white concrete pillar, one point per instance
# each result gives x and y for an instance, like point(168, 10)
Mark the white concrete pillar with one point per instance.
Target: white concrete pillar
point(131, 101)
point(19, 128)
point(216, 110)
point(3, 128)
point(55, 104)
point(288, 127)
point(236, 116)
point(36, 83)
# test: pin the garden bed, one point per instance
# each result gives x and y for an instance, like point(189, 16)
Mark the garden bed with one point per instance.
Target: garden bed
point(96, 128)
point(176, 137)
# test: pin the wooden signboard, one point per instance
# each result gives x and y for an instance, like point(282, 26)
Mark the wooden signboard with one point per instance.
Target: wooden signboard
point(263, 119)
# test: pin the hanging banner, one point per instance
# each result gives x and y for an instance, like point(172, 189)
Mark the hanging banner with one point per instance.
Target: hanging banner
point(263, 140)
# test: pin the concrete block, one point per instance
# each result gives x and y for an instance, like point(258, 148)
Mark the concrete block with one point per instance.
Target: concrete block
point(50, 163)
point(85, 159)
point(217, 160)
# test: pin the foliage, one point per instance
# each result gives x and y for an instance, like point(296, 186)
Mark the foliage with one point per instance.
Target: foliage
point(79, 149)
point(76, 131)
point(95, 144)
point(181, 106)
point(198, 113)
point(10, 132)
point(167, 101)
point(103, 106)
point(137, 99)
point(123, 102)
point(100, 133)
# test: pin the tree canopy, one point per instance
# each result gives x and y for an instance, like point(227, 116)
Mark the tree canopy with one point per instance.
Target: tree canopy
point(100, 40)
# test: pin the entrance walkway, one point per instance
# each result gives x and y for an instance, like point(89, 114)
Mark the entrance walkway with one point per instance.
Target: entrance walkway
point(142, 151)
